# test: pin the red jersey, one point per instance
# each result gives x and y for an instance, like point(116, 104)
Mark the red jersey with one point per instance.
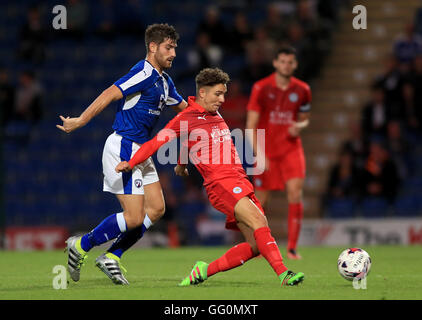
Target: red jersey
point(209, 143)
point(278, 109)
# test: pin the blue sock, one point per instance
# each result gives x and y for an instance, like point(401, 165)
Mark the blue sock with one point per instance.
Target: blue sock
point(108, 229)
point(129, 238)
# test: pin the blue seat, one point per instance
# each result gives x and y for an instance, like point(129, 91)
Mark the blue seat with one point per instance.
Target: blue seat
point(374, 207)
point(407, 206)
point(341, 208)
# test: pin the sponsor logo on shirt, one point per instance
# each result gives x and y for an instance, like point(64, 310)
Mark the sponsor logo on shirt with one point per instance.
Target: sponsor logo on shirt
point(281, 117)
point(202, 117)
point(155, 112)
point(220, 135)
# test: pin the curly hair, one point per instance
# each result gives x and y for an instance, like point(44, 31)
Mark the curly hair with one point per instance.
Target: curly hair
point(211, 77)
point(160, 32)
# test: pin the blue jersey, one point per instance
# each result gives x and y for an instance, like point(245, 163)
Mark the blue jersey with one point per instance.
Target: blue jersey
point(145, 94)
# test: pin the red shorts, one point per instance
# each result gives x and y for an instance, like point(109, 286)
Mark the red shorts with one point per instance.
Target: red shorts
point(291, 165)
point(224, 195)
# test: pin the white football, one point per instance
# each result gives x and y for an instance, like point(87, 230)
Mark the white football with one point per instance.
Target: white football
point(354, 263)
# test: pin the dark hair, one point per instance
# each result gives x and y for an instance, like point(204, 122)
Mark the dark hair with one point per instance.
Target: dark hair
point(160, 32)
point(286, 50)
point(211, 77)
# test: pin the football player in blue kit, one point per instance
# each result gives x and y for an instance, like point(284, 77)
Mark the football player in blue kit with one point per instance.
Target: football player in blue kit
point(143, 93)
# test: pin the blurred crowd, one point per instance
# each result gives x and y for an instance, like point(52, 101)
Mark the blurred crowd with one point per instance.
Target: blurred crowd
point(382, 152)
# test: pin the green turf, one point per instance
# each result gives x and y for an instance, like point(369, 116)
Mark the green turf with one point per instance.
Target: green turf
point(154, 274)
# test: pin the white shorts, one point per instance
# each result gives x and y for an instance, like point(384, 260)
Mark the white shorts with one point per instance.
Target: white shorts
point(117, 149)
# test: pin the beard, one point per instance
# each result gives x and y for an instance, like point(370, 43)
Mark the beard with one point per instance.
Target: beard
point(163, 62)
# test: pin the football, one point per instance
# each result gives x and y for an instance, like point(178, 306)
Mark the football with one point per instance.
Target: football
point(354, 263)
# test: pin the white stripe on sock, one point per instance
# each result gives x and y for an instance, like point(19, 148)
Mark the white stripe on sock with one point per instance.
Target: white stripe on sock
point(147, 221)
point(121, 221)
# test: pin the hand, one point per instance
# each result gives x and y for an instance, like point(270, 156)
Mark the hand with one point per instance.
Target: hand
point(294, 130)
point(123, 166)
point(181, 170)
point(69, 124)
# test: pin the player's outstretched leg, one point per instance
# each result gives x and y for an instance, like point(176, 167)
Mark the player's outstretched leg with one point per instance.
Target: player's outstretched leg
point(197, 275)
point(248, 213)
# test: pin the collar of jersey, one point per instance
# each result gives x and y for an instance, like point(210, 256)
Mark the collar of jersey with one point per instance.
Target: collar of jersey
point(274, 83)
point(192, 103)
point(159, 74)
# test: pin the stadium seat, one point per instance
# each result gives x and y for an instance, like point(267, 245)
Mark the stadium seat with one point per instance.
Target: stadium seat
point(374, 207)
point(408, 206)
point(341, 208)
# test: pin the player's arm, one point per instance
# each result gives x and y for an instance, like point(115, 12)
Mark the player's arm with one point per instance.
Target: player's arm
point(167, 134)
point(109, 95)
point(181, 106)
point(301, 123)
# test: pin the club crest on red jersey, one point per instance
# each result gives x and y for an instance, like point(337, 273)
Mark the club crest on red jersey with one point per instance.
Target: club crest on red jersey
point(293, 97)
point(237, 190)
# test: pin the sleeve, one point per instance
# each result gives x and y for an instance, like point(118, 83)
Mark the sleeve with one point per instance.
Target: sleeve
point(253, 103)
point(137, 79)
point(306, 100)
point(167, 134)
point(174, 98)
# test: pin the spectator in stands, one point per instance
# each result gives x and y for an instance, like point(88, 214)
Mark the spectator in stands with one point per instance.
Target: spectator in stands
point(105, 19)
point(356, 144)
point(129, 18)
point(376, 113)
point(7, 98)
point(77, 15)
point(257, 67)
point(380, 176)
point(234, 107)
point(240, 34)
point(214, 27)
point(392, 82)
point(203, 55)
point(407, 47)
point(32, 37)
point(275, 25)
point(344, 177)
point(415, 92)
point(399, 148)
point(28, 99)
point(262, 45)
point(306, 53)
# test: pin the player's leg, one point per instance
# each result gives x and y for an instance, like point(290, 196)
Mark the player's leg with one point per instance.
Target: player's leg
point(294, 189)
point(108, 229)
point(233, 258)
point(248, 212)
point(154, 210)
point(263, 196)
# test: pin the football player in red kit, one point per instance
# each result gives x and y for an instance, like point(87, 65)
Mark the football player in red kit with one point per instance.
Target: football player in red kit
point(213, 153)
point(280, 104)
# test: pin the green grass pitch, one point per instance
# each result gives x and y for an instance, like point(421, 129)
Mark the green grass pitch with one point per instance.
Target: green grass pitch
point(154, 274)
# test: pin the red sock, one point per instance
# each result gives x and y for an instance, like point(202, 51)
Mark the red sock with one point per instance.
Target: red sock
point(294, 223)
point(233, 258)
point(269, 249)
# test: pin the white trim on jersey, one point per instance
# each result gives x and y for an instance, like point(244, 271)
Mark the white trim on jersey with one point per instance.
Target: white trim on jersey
point(171, 101)
point(131, 101)
point(139, 77)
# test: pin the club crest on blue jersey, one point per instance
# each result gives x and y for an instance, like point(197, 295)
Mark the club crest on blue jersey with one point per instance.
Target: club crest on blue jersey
point(138, 183)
